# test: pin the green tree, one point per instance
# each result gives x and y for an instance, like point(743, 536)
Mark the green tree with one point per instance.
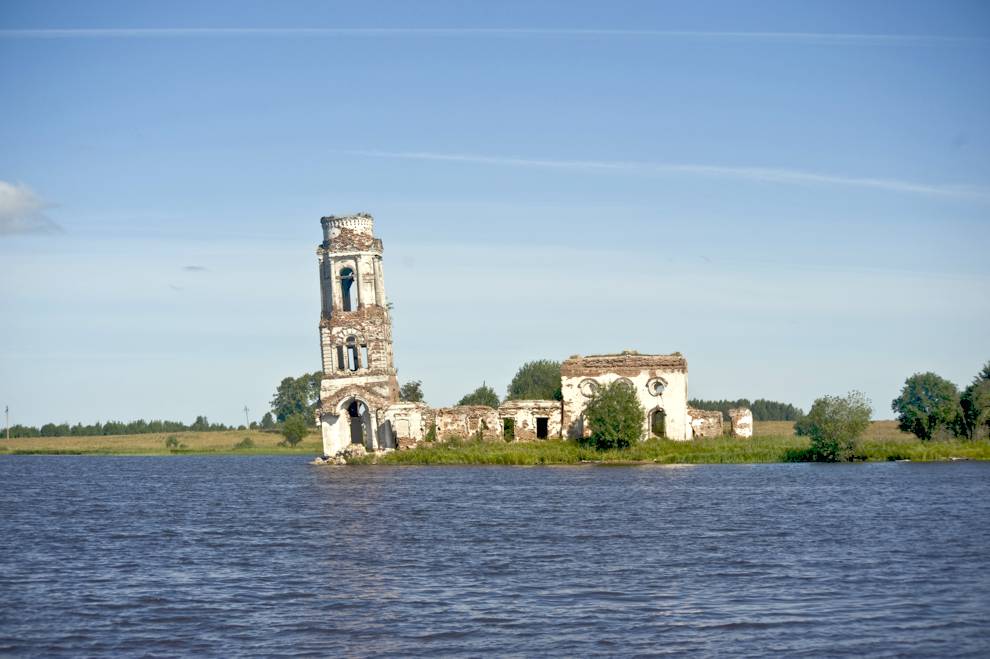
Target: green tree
point(974, 403)
point(294, 429)
point(201, 424)
point(835, 423)
point(539, 380)
point(483, 395)
point(267, 421)
point(296, 395)
point(615, 416)
point(411, 392)
point(927, 404)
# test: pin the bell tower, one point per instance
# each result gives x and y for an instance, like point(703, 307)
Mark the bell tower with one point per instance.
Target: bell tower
point(359, 378)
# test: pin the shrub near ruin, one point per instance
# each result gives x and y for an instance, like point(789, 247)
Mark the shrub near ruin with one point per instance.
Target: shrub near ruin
point(615, 417)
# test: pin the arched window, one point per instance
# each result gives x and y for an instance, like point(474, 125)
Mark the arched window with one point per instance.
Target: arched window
point(658, 423)
point(348, 292)
point(353, 361)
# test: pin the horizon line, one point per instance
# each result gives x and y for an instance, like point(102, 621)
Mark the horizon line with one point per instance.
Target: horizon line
point(836, 38)
point(747, 173)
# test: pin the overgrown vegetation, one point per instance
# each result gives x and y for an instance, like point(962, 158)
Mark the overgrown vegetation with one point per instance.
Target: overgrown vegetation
point(483, 395)
point(294, 429)
point(931, 407)
point(875, 447)
point(615, 417)
point(298, 395)
point(763, 410)
point(537, 380)
point(835, 424)
point(411, 392)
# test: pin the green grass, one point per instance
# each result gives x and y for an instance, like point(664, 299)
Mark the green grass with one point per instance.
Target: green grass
point(229, 442)
point(761, 449)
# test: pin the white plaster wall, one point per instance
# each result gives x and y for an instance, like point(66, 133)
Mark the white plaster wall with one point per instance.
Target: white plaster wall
point(673, 401)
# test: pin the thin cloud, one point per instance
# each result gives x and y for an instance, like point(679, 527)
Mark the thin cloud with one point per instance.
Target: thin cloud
point(827, 38)
point(194, 268)
point(755, 174)
point(21, 211)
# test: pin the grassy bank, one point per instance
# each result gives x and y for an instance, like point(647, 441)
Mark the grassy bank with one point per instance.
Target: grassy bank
point(227, 442)
point(773, 442)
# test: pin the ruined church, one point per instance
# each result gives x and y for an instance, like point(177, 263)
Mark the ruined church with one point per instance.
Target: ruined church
point(359, 393)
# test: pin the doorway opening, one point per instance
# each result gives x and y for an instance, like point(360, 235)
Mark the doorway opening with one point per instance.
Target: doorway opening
point(658, 423)
point(357, 413)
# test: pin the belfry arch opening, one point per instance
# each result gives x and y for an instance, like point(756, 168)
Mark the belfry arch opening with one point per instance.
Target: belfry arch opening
point(348, 292)
point(353, 356)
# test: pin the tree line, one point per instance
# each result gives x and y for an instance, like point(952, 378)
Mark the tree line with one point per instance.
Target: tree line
point(138, 427)
point(762, 409)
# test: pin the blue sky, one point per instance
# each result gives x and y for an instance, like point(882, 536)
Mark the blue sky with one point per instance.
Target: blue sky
point(796, 195)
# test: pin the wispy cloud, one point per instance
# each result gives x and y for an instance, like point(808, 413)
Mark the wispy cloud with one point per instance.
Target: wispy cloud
point(194, 268)
point(826, 38)
point(21, 211)
point(755, 174)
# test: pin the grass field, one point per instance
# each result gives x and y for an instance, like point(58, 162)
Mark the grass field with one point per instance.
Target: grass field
point(771, 443)
point(216, 443)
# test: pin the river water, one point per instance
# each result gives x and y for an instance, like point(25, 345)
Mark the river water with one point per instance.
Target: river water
point(269, 556)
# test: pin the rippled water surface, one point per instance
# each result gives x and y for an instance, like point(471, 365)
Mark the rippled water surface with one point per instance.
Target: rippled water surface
point(270, 556)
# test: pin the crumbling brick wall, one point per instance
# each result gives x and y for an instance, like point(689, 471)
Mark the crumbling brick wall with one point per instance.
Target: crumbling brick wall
point(523, 417)
point(408, 423)
point(705, 423)
point(742, 422)
point(467, 422)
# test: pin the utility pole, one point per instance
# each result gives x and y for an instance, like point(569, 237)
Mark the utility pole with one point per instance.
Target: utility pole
point(6, 411)
point(247, 422)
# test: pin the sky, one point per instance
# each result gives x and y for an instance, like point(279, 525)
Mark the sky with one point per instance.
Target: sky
point(795, 195)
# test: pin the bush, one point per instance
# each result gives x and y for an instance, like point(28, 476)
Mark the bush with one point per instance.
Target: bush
point(247, 442)
point(835, 423)
point(294, 429)
point(172, 443)
point(615, 416)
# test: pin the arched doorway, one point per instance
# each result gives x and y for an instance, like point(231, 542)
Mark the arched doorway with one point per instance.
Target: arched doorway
point(658, 423)
point(359, 421)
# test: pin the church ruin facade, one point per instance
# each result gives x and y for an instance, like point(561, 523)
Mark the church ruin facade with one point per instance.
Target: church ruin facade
point(359, 392)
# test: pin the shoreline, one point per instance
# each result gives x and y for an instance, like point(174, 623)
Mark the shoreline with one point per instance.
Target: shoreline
point(773, 443)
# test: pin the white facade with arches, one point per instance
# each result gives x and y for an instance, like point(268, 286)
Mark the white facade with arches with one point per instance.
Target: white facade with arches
point(660, 383)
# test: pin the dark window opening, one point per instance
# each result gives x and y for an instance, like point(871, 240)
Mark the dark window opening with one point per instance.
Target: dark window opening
point(340, 358)
point(542, 427)
point(508, 429)
point(347, 290)
point(658, 423)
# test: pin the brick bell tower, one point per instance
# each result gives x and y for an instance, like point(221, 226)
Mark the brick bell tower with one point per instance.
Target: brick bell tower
point(359, 378)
